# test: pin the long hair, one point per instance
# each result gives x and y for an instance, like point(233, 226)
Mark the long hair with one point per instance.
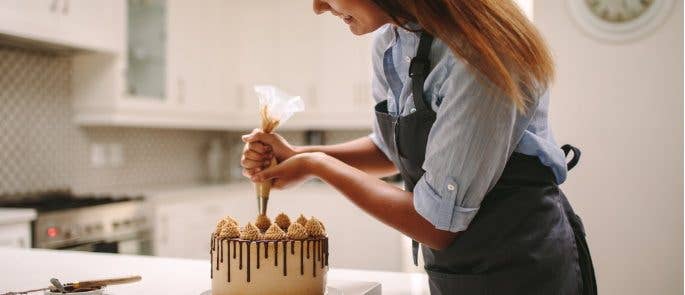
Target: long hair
point(494, 37)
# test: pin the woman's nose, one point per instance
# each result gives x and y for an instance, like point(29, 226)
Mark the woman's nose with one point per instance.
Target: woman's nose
point(320, 6)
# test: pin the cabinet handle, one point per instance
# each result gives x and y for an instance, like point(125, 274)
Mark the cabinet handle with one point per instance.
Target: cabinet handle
point(65, 7)
point(165, 229)
point(53, 5)
point(180, 84)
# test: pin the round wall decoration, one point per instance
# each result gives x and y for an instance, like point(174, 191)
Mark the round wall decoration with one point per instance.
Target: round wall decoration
point(619, 20)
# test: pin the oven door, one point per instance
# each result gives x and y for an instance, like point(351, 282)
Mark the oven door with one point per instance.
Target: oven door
point(137, 245)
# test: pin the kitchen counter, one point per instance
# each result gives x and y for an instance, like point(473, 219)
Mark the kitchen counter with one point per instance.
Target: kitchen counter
point(33, 268)
point(13, 215)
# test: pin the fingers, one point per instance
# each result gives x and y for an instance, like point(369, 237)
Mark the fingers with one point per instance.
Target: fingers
point(267, 174)
point(252, 164)
point(255, 135)
point(252, 155)
point(257, 147)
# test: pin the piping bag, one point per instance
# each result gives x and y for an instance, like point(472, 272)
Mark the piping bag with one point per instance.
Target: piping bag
point(275, 107)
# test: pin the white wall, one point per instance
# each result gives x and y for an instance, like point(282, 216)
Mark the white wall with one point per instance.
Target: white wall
point(622, 105)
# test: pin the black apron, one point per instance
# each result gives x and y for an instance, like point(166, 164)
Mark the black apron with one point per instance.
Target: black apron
point(525, 238)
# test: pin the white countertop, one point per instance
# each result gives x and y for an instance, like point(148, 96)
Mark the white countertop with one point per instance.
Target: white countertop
point(15, 215)
point(33, 268)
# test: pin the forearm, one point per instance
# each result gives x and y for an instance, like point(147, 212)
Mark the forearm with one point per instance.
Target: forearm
point(386, 202)
point(360, 153)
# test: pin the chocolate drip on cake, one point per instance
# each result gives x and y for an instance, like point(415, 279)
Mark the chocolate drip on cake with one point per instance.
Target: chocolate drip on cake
point(217, 254)
point(248, 261)
point(307, 249)
point(234, 249)
point(228, 257)
point(266, 250)
point(275, 253)
point(314, 259)
point(241, 255)
point(326, 255)
point(301, 258)
point(211, 261)
point(221, 250)
point(258, 243)
point(285, 256)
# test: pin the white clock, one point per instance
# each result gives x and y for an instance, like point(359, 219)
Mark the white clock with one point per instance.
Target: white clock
point(619, 20)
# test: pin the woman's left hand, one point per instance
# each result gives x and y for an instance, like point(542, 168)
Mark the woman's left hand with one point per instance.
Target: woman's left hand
point(290, 172)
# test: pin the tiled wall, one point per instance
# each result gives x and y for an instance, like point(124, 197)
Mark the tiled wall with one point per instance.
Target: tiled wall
point(41, 149)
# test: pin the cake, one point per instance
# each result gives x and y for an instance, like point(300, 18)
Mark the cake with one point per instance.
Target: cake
point(264, 257)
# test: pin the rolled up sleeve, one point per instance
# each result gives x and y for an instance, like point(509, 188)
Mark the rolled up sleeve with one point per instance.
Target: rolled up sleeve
point(475, 132)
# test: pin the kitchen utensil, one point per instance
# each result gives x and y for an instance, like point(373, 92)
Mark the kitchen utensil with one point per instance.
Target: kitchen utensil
point(58, 285)
point(93, 284)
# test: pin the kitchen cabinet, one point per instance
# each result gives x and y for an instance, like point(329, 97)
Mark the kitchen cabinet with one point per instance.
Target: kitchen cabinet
point(15, 227)
point(92, 25)
point(216, 53)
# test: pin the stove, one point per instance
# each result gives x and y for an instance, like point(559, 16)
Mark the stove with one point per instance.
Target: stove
point(95, 223)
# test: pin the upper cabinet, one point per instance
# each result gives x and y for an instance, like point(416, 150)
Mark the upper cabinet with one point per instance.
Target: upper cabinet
point(93, 25)
point(189, 64)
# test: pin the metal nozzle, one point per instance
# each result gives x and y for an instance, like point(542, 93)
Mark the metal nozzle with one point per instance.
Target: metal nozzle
point(262, 203)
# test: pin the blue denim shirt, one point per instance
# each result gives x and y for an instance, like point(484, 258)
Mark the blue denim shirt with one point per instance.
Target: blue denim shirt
point(475, 132)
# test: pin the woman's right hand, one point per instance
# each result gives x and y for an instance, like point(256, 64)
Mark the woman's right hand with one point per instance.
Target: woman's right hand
point(260, 148)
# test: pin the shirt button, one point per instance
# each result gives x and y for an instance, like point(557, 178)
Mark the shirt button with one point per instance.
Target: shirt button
point(450, 187)
point(407, 59)
point(412, 110)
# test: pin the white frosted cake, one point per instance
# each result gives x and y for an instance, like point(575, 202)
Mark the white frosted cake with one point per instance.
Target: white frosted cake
point(269, 258)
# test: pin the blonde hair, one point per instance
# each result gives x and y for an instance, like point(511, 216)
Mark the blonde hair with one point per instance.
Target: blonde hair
point(494, 37)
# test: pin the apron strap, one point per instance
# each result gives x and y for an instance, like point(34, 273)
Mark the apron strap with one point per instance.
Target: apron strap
point(419, 69)
point(576, 155)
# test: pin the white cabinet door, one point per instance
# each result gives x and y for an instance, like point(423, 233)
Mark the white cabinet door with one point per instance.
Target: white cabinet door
point(97, 23)
point(86, 24)
point(299, 38)
point(16, 235)
point(202, 72)
point(183, 229)
point(258, 53)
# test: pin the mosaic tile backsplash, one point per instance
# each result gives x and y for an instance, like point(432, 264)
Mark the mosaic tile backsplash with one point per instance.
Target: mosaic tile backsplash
point(42, 149)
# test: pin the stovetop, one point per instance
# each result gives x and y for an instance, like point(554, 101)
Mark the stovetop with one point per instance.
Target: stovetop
point(60, 200)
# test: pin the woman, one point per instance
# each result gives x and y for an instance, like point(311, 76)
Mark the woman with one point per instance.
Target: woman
point(463, 117)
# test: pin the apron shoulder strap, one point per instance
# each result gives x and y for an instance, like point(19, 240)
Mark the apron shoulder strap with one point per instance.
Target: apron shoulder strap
point(419, 69)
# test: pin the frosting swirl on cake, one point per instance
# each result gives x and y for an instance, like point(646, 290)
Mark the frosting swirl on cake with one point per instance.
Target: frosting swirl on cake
point(275, 233)
point(302, 220)
point(250, 232)
point(315, 228)
point(262, 222)
point(297, 232)
point(229, 232)
point(283, 221)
